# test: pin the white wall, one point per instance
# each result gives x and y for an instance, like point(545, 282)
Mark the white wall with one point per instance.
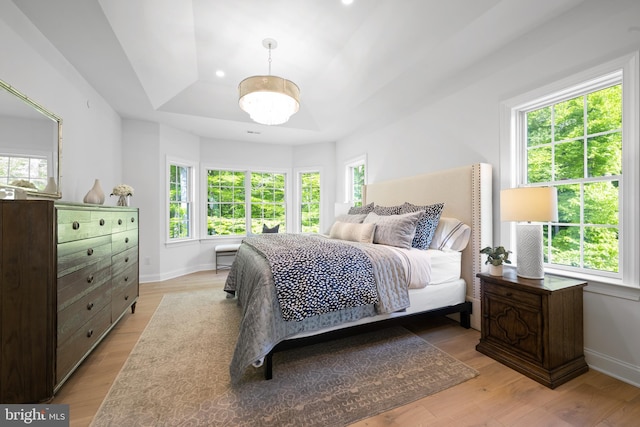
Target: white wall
point(33, 67)
point(460, 125)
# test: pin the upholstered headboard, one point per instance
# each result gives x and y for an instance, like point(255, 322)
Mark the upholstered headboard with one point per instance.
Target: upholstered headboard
point(467, 195)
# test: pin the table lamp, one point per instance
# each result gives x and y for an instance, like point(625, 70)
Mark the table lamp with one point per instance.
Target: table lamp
point(526, 205)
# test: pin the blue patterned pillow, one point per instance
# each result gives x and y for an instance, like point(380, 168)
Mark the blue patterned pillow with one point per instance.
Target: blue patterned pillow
point(426, 227)
point(355, 210)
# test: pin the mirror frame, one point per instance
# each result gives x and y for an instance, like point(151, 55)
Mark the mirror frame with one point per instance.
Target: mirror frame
point(39, 194)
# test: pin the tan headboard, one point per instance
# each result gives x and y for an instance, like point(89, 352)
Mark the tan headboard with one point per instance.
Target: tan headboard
point(467, 195)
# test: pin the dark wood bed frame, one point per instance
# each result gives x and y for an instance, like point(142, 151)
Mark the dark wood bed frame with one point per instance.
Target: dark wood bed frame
point(464, 309)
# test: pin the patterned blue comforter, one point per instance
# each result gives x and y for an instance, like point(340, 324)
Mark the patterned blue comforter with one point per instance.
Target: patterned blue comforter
point(315, 275)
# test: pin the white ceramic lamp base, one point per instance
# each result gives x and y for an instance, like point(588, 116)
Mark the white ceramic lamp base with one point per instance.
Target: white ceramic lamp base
point(530, 256)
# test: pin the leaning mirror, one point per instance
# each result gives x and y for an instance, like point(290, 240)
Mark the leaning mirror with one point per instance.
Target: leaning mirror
point(30, 145)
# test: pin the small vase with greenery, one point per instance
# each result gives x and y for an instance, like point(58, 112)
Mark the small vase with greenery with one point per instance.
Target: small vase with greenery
point(496, 256)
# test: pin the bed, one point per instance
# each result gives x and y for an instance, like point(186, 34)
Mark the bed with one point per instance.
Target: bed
point(266, 327)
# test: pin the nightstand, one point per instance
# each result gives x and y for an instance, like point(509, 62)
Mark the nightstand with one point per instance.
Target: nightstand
point(534, 326)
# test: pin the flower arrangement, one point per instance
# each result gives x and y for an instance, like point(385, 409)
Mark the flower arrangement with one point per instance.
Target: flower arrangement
point(122, 190)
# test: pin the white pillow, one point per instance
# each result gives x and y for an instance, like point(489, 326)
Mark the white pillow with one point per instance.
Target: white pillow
point(394, 230)
point(452, 234)
point(352, 232)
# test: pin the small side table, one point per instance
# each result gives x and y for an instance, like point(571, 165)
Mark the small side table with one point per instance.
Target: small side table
point(534, 326)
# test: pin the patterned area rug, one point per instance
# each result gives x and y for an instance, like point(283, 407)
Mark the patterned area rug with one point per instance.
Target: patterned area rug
point(178, 374)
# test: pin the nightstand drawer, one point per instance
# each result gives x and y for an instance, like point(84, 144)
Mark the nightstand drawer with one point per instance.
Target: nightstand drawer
point(513, 294)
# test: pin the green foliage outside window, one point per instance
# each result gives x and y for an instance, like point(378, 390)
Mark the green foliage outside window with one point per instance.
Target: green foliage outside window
point(576, 145)
point(32, 169)
point(179, 206)
point(268, 202)
point(358, 182)
point(310, 202)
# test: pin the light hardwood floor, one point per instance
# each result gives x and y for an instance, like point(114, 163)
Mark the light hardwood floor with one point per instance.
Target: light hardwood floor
point(499, 396)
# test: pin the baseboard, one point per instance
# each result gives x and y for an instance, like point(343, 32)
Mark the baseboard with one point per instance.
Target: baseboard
point(615, 368)
point(476, 314)
point(175, 273)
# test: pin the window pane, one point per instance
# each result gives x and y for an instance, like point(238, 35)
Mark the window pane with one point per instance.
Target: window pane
point(604, 155)
point(569, 204)
point(565, 245)
point(569, 119)
point(539, 127)
point(601, 248)
point(569, 160)
point(604, 110)
point(601, 203)
point(179, 202)
point(539, 164)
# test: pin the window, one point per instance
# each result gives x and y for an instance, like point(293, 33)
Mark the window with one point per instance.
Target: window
point(30, 168)
point(180, 201)
point(240, 202)
point(355, 179)
point(268, 203)
point(580, 136)
point(226, 213)
point(309, 183)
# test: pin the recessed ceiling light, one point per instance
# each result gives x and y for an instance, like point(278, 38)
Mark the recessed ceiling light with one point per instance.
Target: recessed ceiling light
point(220, 73)
point(347, 2)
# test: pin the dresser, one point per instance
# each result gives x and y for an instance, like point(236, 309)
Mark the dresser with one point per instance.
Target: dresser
point(68, 273)
point(534, 326)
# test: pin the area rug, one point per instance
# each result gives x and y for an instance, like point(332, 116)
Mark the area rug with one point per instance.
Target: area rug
point(177, 374)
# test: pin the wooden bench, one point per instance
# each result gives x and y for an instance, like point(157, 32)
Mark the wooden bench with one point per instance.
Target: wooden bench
point(223, 251)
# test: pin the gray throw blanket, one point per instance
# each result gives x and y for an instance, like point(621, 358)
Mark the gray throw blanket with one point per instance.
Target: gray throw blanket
point(315, 275)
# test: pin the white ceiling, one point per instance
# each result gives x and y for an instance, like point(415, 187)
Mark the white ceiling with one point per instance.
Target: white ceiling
point(356, 65)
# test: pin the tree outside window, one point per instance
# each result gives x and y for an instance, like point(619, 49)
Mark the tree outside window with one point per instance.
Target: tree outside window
point(33, 169)
point(268, 202)
point(310, 202)
point(226, 213)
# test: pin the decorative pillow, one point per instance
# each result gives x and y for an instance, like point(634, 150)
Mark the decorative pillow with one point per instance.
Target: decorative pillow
point(427, 224)
point(353, 232)
point(354, 219)
point(394, 230)
point(354, 210)
point(452, 234)
point(273, 229)
point(387, 210)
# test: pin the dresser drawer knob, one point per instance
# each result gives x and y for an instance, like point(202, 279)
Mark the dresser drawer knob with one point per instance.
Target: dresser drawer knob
point(126, 297)
point(119, 222)
point(126, 278)
point(90, 333)
point(126, 259)
point(75, 225)
point(126, 240)
point(90, 278)
point(486, 316)
point(89, 306)
point(89, 251)
point(133, 219)
point(101, 221)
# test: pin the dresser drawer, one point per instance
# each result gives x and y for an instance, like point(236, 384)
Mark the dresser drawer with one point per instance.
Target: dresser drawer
point(122, 298)
point(75, 255)
point(126, 220)
point(71, 318)
point(76, 285)
point(515, 295)
point(122, 261)
point(124, 240)
point(77, 346)
point(76, 224)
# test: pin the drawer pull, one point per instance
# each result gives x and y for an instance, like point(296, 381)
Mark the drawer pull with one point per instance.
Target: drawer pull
point(89, 306)
point(133, 219)
point(119, 222)
point(126, 297)
point(75, 225)
point(101, 221)
point(90, 278)
point(126, 240)
point(486, 316)
point(126, 259)
point(89, 251)
point(90, 333)
point(126, 278)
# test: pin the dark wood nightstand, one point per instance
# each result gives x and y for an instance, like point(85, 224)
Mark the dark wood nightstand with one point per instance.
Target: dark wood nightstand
point(534, 326)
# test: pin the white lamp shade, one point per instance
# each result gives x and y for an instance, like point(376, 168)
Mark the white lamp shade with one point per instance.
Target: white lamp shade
point(269, 100)
point(531, 204)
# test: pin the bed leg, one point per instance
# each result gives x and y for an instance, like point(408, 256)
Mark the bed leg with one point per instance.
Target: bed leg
point(465, 319)
point(268, 366)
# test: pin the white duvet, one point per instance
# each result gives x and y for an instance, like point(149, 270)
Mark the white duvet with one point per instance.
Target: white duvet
point(430, 267)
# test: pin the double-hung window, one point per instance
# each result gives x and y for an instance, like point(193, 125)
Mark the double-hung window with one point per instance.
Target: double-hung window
point(309, 196)
point(181, 195)
point(20, 168)
point(575, 138)
point(240, 202)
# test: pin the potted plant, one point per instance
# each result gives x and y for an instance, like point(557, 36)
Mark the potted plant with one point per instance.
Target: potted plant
point(496, 256)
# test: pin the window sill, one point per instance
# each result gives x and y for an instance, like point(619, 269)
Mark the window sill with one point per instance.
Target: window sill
point(601, 285)
point(181, 242)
